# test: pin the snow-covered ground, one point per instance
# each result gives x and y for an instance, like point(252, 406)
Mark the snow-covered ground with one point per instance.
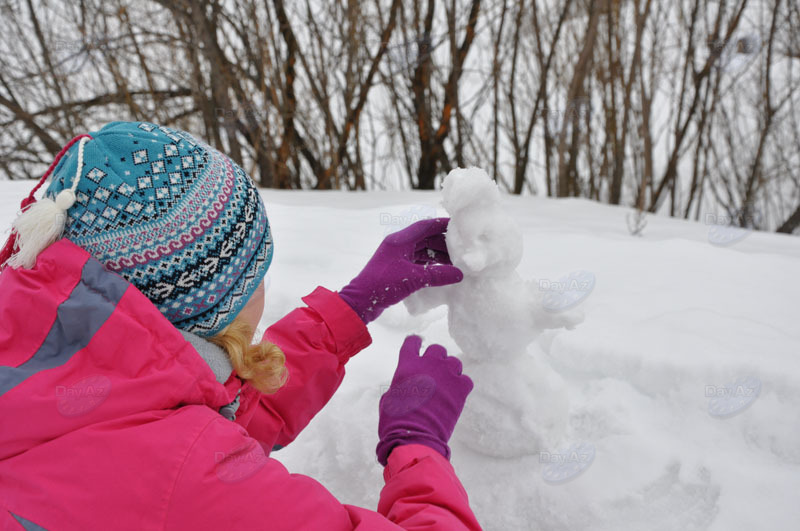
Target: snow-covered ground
point(652, 434)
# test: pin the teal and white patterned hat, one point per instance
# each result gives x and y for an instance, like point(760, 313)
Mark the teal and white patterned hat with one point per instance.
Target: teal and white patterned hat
point(172, 215)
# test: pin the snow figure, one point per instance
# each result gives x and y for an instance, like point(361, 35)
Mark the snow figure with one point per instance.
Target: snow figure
point(493, 316)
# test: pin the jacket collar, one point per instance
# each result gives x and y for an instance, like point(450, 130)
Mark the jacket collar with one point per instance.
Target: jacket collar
point(214, 356)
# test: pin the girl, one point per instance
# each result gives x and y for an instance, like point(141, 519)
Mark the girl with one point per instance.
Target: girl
point(131, 395)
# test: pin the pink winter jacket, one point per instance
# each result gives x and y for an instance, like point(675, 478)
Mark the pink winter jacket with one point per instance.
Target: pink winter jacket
point(109, 418)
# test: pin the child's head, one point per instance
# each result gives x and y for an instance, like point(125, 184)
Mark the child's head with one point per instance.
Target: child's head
point(175, 217)
point(181, 222)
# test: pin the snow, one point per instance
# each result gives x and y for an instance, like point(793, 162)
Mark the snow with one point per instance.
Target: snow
point(673, 404)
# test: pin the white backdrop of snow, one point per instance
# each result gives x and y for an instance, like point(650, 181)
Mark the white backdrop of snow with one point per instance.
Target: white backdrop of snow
point(671, 317)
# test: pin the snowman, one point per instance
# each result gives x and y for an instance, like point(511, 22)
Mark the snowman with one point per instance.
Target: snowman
point(493, 316)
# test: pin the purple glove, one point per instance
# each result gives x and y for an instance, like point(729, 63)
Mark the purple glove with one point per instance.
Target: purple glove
point(424, 401)
point(406, 261)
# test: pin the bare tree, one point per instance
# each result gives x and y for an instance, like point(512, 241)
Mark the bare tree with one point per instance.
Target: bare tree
point(684, 107)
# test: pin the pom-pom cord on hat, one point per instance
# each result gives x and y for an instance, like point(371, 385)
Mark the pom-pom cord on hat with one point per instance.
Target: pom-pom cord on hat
point(42, 222)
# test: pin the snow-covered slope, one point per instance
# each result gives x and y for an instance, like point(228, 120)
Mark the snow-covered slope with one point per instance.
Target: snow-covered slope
point(657, 439)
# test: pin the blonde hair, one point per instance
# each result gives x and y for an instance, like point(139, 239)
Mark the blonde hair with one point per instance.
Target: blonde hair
point(263, 364)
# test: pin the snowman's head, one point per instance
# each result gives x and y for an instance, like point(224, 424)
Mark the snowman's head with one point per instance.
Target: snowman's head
point(481, 237)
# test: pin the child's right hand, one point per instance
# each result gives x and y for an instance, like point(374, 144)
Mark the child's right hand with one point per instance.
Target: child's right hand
point(406, 261)
point(425, 400)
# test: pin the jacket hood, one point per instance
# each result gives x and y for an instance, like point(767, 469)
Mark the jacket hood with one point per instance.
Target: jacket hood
point(80, 346)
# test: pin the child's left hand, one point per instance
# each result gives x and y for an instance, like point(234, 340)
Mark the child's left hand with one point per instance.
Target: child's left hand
point(406, 261)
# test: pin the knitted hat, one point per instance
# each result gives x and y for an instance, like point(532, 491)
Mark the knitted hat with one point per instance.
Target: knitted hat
point(172, 215)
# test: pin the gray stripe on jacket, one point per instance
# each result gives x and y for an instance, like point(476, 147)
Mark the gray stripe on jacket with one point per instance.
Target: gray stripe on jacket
point(78, 319)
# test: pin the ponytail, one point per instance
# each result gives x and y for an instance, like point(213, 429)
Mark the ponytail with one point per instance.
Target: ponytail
point(263, 364)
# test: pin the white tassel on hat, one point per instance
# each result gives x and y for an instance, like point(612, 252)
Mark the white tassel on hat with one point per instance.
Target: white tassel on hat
point(43, 222)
